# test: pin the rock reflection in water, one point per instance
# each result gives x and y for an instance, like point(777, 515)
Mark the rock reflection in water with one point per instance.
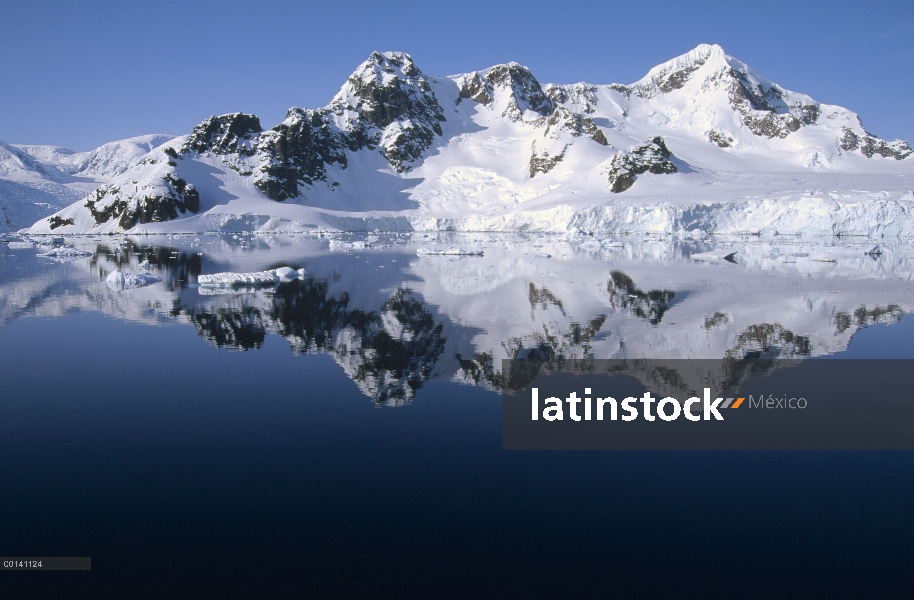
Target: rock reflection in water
point(388, 352)
point(392, 321)
point(177, 267)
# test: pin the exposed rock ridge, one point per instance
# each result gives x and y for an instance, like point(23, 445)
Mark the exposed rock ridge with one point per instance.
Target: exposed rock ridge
point(159, 200)
point(870, 145)
point(389, 103)
point(624, 167)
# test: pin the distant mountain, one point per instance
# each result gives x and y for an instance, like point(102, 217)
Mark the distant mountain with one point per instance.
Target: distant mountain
point(702, 142)
point(36, 181)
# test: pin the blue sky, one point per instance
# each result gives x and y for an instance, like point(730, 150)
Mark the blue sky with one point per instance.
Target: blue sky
point(79, 74)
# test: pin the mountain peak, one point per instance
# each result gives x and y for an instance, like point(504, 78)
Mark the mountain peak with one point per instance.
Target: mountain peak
point(380, 63)
point(674, 74)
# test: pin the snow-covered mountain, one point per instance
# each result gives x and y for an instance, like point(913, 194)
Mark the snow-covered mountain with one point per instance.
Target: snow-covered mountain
point(702, 142)
point(36, 181)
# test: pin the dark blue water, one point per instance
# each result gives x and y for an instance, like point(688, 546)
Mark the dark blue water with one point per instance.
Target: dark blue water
point(185, 471)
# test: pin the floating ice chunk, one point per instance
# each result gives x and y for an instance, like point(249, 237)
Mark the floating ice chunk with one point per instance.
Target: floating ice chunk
point(600, 244)
point(66, 252)
point(119, 281)
point(454, 251)
point(215, 291)
point(726, 254)
point(259, 278)
point(876, 251)
point(145, 265)
point(356, 245)
point(238, 279)
point(286, 273)
point(22, 245)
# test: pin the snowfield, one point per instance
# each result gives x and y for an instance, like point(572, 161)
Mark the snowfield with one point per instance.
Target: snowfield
point(701, 145)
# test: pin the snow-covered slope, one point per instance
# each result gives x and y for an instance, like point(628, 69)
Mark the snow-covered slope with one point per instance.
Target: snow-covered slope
point(36, 181)
point(702, 142)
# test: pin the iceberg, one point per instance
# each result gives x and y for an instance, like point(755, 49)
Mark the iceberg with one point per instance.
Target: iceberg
point(258, 278)
point(65, 252)
point(120, 281)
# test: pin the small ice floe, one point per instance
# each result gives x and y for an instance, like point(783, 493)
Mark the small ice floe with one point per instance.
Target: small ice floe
point(22, 245)
point(600, 245)
point(65, 252)
point(356, 245)
point(876, 251)
point(288, 273)
point(120, 281)
point(145, 265)
point(258, 278)
point(449, 252)
point(218, 291)
point(725, 254)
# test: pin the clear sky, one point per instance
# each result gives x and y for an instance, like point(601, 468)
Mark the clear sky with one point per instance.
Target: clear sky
point(78, 74)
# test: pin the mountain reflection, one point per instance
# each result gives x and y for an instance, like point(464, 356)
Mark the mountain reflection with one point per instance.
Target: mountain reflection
point(650, 305)
point(393, 321)
point(176, 267)
point(388, 352)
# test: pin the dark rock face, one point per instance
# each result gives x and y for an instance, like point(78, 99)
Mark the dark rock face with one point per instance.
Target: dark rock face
point(476, 87)
point(565, 120)
point(387, 104)
point(112, 205)
point(870, 145)
point(764, 109)
point(556, 119)
point(653, 157)
point(624, 295)
point(298, 150)
point(171, 196)
point(526, 92)
point(543, 162)
point(667, 82)
point(723, 140)
point(56, 222)
point(578, 94)
point(228, 134)
point(390, 104)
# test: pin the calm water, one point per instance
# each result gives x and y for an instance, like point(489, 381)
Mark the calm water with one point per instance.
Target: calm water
point(340, 434)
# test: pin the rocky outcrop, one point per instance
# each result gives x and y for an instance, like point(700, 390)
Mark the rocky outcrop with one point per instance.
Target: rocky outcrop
point(160, 200)
point(721, 138)
point(763, 107)
point(579, 97)
point(563, 120)
point(228, 134)
point(870, 145)
point(624, 167)
point(298, 150)
point(667, 80)
point(525, 92)
point(542, 161)
point(388, 103)
point(57, 221)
